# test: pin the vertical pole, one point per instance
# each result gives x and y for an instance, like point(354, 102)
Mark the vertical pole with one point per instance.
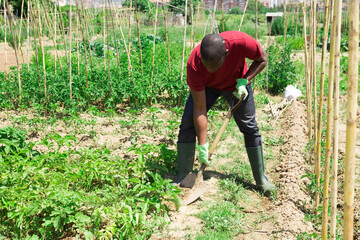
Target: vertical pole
point(42, 49)
point(222, 16)
point(153, 55)
point(104, 32)
point(28, 35)
point(242, 18)
point(352, 95)
point(319, 128)
point(116, 45)
point(130, 27)
point(307, 75)
point(55, 31)
point(184, 43)
point(285, 22)
point(108, 49)
point(70, 22)
point(62, 26)
point(166, 36)
point(5, 45)
point(296, 19)
point(33, 19)
point(83, 14)
point(77, 43)
point(192, 23)
point(256, 19)
point(138, 32)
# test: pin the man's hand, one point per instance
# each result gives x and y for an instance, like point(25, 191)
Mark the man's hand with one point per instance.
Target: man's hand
point(204, 153)
point(241, 88)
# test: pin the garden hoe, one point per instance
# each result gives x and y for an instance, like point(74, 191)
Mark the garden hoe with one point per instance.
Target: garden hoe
point(195, 181)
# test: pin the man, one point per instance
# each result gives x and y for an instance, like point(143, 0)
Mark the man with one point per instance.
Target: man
point(215, 68)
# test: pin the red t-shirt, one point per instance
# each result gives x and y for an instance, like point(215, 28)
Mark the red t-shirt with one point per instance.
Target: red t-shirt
point(240, 46)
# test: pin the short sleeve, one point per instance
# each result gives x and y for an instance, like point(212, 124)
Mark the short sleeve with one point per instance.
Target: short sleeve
point(253, 49)
point(194, 79)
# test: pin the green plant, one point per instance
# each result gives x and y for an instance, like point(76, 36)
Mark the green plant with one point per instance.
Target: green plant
point(281, 70)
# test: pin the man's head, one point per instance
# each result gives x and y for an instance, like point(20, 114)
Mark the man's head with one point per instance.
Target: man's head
point(213, 52)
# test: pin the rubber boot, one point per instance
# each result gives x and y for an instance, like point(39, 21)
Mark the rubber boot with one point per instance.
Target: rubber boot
point(256, 159)
point(185, 160)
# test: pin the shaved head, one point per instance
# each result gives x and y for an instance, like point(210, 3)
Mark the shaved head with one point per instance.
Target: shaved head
point(212, 47)
point(213, 52)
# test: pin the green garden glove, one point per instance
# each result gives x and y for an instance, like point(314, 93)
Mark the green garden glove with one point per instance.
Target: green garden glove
point(204, 153)
point(241, 88)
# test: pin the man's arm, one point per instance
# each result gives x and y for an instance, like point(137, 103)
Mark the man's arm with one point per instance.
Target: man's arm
point(200, 115)
point(257, 65)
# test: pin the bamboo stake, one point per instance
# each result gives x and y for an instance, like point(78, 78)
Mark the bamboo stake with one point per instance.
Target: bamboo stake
point(116, 45)
point(15, 46)
point(130, 27)
point(77, 43)
point(153, 56)
point(33, 19)
point(138, 33)
point(166, 37)
point(55, 32)
point(52, 35)
point(184, 42)
point(307, 76)
point(222, 16)
point(70, 42)
point(28, 35)
point(5, 45)
point(86, 30)
point(319, 130)
point(108, 50)
point(62, 27)
point(104, 31)
point(296, 19)
point(285, 23)
point(317, 163)
point(256, 19)
point(192, 23)
point(242, 18)
point(42, 49)
point(352, 95)
point(83, 37)
point(19, 36)
point(125, 45)
point(213, 20)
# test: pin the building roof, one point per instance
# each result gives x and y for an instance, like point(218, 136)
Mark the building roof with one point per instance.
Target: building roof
point(274, 14)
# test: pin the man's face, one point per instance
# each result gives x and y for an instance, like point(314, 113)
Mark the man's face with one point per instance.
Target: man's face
point(213, 66)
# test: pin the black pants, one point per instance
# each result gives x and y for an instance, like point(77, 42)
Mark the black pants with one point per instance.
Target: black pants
point(244, 117)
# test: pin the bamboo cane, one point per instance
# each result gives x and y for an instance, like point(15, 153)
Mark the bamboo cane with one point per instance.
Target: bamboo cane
point(20, 29)
point(33, 19)
point(42, 49)
point(192, 24)
point(52, 35)
point(104, 31)
point(108, 49)
point(55, 32)
point(213, 20)
point(317, 163)
point(153, 55)
point(28, 35)
point(70, 42)
point(116, 45)
point(166, 36)
point(125, 45)
point(83, 14)
point(242, 18)
point(130, 27)
point(83, 37)
point(307, 76)
point(138, 33)
point(319, 130)
point(62, 27)
point(15, 46)
point(5, 45)
point(77, 43)
point(184, 42)
point(285, 23)
point(352, 94)
point(222, 16)
point(256, 19)
point(296, 19)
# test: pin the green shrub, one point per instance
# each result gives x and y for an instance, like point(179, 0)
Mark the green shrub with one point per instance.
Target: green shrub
point(281, 70)
point(235, 10)
point(277, 27)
